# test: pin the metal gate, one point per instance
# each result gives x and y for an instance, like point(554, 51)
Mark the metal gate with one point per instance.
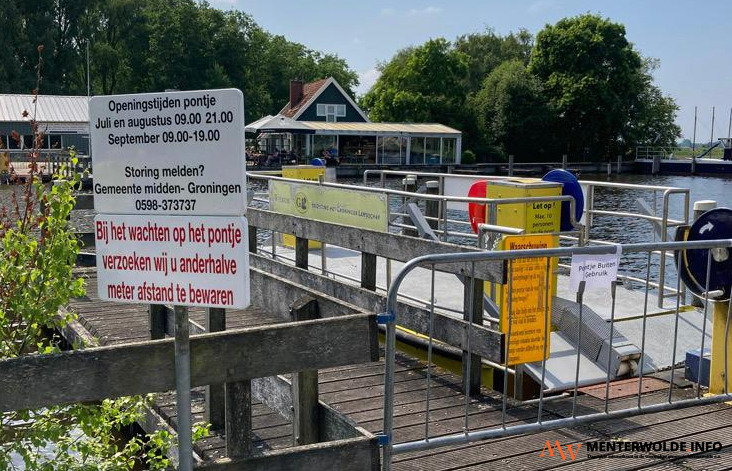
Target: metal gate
point(633, 257)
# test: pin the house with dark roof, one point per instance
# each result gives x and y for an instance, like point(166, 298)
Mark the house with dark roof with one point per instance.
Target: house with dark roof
point(323, 100)
point(322, 119)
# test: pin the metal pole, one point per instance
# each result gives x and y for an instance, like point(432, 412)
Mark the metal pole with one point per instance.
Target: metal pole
point(711, 137)
point(729, 126)
point(693, 139)
point(183, 388)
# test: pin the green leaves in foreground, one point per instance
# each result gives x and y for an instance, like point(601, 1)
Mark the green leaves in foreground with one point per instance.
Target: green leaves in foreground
point(37, 254)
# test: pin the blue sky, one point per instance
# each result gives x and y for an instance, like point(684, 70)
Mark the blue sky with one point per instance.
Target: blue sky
point(693, 40)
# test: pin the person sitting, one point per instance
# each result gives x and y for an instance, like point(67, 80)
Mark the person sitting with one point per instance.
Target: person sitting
point(273, 159)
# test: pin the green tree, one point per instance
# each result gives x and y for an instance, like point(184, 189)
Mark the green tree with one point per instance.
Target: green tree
point(486, 51)
point(593, 77)
point(512, 114)
point(422, 84)
point(653, 115)
point(11, 36)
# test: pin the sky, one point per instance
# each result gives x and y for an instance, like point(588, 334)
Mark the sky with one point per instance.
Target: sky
point(692, 40)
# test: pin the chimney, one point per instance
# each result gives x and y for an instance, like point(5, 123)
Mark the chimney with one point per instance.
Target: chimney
point(296, 89)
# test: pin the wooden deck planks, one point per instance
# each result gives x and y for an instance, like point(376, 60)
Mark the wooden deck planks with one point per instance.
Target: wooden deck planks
point(357, 390)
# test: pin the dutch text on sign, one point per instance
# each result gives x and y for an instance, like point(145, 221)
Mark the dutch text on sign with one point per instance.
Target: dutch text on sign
point(348, 207)
point(529, 300)
point(597, 271)
point(192, 261)
point(169, 153)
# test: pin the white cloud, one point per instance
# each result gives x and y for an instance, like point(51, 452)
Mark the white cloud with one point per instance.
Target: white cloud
point(366, 80)
point(424, 11)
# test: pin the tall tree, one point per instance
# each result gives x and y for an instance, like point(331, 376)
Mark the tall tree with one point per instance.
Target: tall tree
point(486, 51)
point(652, 118)
point(423, 84)
point(592, 76)
point(513, 115)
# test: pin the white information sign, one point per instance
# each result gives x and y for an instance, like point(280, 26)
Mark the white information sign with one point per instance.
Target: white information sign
point(190, 261)
point(597, 271)
point(169, 153)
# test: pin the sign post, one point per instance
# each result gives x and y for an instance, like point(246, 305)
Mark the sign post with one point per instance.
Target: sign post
point(170, 190)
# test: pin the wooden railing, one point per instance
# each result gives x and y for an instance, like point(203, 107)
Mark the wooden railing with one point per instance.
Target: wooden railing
point(482, 342)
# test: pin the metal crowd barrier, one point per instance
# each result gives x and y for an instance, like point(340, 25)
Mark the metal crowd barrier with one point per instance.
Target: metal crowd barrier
point(433, 440)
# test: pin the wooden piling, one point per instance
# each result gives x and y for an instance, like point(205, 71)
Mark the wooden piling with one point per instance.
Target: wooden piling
point(305, 384)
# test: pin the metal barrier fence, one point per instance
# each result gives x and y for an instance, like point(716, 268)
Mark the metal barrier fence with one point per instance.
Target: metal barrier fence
point(655, 207)
point(716, 250)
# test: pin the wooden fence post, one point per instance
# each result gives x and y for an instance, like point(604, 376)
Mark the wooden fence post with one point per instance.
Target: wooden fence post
point(238, 419)
point(253, 239)
point(368, 271)
point(473, 298)
point(215, 410)
point(432, 207)
point(158, 314)
point(305, 384)
point(301, 253)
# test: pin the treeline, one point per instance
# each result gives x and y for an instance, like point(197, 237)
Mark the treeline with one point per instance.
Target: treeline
point(151, 46)
point(579, 88)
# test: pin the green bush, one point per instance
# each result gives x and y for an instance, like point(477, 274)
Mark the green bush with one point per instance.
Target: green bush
point(468, 157)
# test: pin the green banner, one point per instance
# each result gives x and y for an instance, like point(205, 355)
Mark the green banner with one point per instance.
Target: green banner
point(320, 203)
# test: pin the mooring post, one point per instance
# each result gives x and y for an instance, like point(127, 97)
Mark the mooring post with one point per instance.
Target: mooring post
point(432, 207)
point(410, 185)
point(305, 384)
point(510, 165)
point(472, 312)
point(301, 253)
point(158, 314)
point(183, 388)
point(215, 410)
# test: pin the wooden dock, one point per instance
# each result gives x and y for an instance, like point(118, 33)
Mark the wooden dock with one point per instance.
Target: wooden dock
point(357, 392)
point(351, 394)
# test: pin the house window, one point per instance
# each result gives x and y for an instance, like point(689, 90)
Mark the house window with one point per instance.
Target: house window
point(331, 113)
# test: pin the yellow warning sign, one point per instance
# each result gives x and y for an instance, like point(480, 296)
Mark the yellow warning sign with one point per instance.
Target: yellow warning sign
point(530, 304)
point(534, 217)
point(301, 172)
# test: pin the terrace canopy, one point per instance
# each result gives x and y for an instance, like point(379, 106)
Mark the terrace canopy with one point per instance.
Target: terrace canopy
point(364, 142)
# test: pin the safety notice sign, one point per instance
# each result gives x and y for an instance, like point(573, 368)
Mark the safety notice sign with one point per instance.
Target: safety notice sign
point(169, 153)
point(191, 261)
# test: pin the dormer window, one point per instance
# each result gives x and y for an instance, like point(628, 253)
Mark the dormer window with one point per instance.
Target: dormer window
point(331, 113)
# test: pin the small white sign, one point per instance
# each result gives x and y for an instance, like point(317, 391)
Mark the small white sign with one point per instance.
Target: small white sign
point(597, 271)
point(186, 261)
point(169, 153)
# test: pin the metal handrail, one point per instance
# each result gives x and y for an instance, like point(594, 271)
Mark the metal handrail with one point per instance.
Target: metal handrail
point(468, 436)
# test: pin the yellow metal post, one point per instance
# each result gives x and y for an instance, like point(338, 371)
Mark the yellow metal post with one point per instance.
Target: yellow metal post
point(719, 345)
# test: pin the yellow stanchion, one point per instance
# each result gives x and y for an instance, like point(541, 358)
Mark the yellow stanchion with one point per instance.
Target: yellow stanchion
point(719, 344)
